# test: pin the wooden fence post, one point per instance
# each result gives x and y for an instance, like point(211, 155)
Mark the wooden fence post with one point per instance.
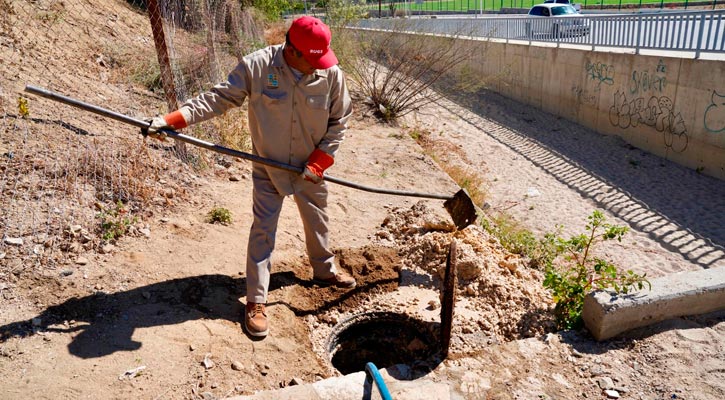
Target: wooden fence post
point(210, 23)
point(167, 76)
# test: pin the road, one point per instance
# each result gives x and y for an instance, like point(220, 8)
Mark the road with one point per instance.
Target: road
point(682, 31)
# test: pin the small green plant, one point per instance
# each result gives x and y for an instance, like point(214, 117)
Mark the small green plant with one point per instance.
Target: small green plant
point(581, 273)
point(51, 16)
point(518, 240)
point(219, 215)
point(115, 222)
point(415, 134)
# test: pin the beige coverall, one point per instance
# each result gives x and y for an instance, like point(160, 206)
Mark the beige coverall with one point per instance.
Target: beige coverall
point(288, 119)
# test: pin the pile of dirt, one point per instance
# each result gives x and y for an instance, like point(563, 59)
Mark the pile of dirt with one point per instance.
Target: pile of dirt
point(498, 294)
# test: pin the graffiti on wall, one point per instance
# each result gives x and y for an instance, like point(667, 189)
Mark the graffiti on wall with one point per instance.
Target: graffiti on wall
point(715, 113)
point(657, 112)
point(584, 95)
point(599, 72)
point(645, 81)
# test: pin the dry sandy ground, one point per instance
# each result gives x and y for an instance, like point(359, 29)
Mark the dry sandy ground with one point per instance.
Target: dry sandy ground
point(168, 298)
point(170, 302)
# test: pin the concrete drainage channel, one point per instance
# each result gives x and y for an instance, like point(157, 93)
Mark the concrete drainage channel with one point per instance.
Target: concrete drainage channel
point(387, 338)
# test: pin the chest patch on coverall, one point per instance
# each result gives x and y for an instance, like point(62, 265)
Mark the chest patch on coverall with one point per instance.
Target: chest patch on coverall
point(272, 81)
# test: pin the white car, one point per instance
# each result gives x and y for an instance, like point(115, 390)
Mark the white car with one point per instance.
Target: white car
point(566, 21)
point(577, 6)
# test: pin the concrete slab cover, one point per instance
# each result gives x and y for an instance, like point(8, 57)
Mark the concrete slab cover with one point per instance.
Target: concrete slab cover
point(688, 293)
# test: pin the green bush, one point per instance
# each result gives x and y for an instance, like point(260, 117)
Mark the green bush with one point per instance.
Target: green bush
point(581, 273)
point(219, 215)
point(571, 271)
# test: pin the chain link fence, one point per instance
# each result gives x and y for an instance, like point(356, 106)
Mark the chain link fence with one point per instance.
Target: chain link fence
point(72, 182)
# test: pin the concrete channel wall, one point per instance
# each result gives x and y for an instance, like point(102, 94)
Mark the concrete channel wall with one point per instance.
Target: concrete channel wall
point(671, 107)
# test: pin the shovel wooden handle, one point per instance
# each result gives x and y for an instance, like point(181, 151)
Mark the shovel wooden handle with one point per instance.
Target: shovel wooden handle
point(459, 206)
point(220, 149)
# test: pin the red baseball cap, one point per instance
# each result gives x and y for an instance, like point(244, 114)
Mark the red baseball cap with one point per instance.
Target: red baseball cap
point(312, 37)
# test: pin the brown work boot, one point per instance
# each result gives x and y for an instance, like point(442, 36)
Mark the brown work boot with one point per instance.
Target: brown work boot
point(255, 319)
point(340, 279)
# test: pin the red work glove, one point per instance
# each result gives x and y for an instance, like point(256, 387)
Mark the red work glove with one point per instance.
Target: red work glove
point(174, 120)
point(316, 165)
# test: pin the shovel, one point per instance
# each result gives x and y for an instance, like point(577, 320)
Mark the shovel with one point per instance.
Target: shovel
point(459, 206)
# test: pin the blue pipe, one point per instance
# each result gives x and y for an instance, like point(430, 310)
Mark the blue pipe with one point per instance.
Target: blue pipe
point(374, 375)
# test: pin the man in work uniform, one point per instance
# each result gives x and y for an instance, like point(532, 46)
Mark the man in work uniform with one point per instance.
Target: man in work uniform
point(298, 109)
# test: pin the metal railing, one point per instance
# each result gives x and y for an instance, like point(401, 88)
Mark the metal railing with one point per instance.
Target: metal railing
point(690, 31)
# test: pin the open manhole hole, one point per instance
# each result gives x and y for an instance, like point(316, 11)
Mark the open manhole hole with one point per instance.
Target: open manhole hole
point(383, 338)
point(388, 338)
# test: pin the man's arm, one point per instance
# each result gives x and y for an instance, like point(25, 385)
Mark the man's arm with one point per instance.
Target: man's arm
point(228, 94)
point(340, 112)
point(222, 97)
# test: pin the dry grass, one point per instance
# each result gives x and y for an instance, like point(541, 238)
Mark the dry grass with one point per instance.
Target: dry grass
point(452, 159)
point(275, 33)
point(469, 180)
point(126, 173)
point(61, 167)
point(233, 130)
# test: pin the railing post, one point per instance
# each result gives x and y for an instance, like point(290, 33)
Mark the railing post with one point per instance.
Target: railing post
point(700, 35)
point(639, 34)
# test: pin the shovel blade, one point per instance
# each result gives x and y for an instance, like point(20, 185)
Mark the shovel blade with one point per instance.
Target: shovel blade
point(461, 208)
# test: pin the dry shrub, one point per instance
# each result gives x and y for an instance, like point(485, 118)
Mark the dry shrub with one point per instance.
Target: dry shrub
point(395, 71)
point(275, 33)
point(126, 173)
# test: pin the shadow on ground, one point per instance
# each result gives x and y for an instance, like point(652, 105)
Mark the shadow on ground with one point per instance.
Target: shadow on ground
point(583, 342)
point(679, 208)
point(104, 323)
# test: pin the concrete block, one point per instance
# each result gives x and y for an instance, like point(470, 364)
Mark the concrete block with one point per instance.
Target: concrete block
point(289, 393)
point(688, 293)
point(351, 386)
